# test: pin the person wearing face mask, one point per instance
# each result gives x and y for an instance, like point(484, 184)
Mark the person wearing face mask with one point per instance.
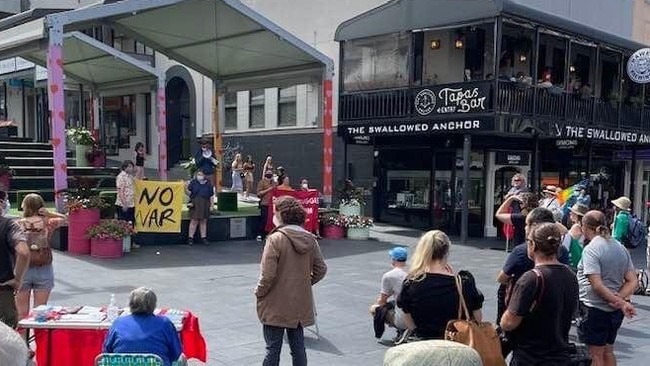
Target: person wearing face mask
point(304, 185)
point(264, 188)
point(205, 160)
point(125, 201)
point(201, 193)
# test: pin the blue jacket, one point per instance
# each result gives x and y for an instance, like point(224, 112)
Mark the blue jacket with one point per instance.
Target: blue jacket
point(204, 164)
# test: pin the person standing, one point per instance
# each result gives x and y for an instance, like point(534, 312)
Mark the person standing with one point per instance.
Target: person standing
point(583, 196)
point(538, 318)
point(38, 224)
point(551, 202)
point(205, 161)
point(607, 279)
point(125, 200)
point(268, 165)
point(518, 185)
point(382, 310)
point(237, 168)
point(140, 157)
point(14, 261)
point(265, 186)
point(285, 183)
point(291, 264)
point(526, 202)
point(201, 194)
point(622, 219)
point(249, 168)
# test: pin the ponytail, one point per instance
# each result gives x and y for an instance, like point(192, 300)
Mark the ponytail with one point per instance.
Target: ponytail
point(604, 231)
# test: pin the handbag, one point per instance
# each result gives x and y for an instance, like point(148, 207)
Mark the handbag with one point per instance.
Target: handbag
point(481, 336)
point(39, 243)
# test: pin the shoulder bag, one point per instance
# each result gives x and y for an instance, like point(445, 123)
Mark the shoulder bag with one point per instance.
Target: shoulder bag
point(39, 243)
point(481, 336)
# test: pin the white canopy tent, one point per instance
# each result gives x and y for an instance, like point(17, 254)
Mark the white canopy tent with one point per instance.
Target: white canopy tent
point(223, 39)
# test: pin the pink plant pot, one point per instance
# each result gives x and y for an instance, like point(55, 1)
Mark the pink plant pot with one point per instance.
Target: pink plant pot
point(106, 248)
point(333, 232)
point(78, 224)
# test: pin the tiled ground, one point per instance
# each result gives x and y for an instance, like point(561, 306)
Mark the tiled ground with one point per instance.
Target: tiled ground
point(216, 282)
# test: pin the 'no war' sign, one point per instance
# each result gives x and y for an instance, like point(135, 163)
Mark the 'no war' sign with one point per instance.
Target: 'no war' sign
point(158, 206)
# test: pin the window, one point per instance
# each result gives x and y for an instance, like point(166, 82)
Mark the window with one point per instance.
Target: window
point(287, 106)
point(256, 109)
point(231, 110)
point(3, 101)
point(119, 122)
point(376, 62)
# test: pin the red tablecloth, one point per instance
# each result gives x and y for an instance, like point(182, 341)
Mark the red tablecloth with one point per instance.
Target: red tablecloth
point(81, 346)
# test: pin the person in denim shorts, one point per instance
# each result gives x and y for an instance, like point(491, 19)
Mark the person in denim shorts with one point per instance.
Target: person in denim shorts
point(40, 276)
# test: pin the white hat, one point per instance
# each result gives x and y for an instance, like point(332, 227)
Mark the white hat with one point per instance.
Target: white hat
point(623, 203)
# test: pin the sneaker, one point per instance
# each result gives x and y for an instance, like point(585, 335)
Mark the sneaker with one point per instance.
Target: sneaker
point(190, 242)
point(404, 337)
point(135, 246)
point(204, 241)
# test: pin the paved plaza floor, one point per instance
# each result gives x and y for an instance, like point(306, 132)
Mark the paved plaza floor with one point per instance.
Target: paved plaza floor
point(216, 282)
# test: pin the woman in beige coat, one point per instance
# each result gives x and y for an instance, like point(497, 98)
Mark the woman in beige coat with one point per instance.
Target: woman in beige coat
point(291, 263)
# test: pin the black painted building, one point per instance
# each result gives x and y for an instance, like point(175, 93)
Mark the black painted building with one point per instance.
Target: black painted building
point(447, 103)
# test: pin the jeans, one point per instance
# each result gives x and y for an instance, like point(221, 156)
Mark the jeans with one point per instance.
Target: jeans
point(261, 230)
point(273, 337)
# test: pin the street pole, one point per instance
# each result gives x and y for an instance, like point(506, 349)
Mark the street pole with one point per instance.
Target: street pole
point(464, 218)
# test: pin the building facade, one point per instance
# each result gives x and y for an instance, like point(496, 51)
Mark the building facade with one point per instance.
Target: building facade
point(448, 107)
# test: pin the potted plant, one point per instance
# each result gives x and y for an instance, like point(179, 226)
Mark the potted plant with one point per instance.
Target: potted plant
point(95, 156)
point(83, 141)
point(106, 238)
point(350, 199)
point(358, 227)
point(6, 173)
point(83, 212)
point(333, 225)
point(190, 167)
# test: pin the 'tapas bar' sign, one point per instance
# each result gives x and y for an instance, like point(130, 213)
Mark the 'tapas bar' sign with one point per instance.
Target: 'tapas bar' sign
point(601, 134)
point(420, 127)
point(470, 97)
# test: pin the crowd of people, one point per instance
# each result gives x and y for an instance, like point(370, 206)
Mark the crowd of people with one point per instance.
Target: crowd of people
point(558, 274)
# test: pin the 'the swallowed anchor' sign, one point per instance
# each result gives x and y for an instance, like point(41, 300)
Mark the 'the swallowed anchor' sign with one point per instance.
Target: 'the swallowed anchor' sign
point(602, 134)
point(453, 98)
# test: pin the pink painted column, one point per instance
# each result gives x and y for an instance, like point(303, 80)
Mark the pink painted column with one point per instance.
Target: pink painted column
point(57, 114)
point(162, 129)
point(327, 140)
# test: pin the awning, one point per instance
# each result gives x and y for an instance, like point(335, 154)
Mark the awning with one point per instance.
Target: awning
point(222, 39)
point(404, 15)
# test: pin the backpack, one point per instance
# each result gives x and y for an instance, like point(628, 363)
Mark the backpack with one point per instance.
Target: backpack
point(637, 233)
point(38, 241)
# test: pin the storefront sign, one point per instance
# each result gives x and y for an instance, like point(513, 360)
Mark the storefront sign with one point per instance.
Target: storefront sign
point(566, 144)
point(638, 67)
point(361, 140)
point(452, 98)
point(158, 206)
point(512, 158)
point(600, 134)
point(420, 127)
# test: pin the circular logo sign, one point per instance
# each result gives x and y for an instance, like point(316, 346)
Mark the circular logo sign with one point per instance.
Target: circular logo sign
point(638, 67)
point(425, 102)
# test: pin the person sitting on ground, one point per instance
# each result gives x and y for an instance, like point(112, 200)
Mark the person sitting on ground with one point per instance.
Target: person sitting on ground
point(429, 296)
point(385, 311)
point(622, 219)
point(144, 332)
point(542, 304)
point(518, 261)
point(13, 350)
point(607, 279)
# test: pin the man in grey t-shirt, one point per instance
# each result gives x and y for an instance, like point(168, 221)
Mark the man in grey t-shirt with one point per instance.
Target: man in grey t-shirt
point(607, 278)
point(391, 287)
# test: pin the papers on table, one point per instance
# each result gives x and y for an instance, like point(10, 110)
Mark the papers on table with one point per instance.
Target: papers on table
point(89, 310)
point(82, 318)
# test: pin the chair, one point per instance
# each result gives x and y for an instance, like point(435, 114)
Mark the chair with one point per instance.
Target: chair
point(123, 359)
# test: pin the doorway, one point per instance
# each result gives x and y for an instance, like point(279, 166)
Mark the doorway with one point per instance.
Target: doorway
point(178, 121)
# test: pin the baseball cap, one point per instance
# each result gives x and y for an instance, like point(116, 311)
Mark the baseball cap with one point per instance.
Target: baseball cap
point(398, 254)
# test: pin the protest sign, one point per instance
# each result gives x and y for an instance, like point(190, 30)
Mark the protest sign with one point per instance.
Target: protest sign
point(308, 200)
point(158, 206)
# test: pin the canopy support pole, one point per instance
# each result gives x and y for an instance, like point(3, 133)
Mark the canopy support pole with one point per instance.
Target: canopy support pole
point(161, 108)
point(217, 139)
point(57, 111)
point(327, 138)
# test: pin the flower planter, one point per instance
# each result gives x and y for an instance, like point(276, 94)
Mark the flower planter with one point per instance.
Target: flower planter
point(350, 209)
point(358, 233)
point(79, 222)
point(333, 232)
point(80, 155)
point(106, 248)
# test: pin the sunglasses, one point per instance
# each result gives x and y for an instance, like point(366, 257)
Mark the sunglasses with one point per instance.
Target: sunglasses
point(516, 180)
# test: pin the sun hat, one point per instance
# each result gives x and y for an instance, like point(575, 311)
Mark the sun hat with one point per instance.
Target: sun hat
point(399, 254)
point(551, 190)
point(432, 353)
point(579, 209)
point(623, 203)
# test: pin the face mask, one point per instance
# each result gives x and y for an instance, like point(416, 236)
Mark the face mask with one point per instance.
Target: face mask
point(305, 186)
point(268, 176)
point(200, 178)
point(276, 221)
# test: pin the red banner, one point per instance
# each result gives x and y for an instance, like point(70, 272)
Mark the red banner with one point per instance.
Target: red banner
point(308, 200)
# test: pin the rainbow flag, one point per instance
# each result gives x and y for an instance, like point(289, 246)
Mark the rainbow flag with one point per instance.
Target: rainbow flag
point(564, 194)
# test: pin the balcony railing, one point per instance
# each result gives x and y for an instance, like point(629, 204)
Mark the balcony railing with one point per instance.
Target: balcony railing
point(512, 98)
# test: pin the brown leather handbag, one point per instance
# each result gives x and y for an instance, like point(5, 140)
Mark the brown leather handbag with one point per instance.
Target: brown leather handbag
point(481, 336)
point(39, 243)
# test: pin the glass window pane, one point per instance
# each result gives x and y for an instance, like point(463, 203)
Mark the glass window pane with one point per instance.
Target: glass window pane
point(256, 108)
point(287, 106)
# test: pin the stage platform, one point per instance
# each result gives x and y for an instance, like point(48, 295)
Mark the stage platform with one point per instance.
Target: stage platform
point(222, 225)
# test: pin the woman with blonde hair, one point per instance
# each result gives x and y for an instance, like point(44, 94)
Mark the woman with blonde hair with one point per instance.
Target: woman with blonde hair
point(429, 295)
point(38, 224)
point(237, 168)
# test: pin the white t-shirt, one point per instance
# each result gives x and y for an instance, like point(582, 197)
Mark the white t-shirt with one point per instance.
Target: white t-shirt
point(391, 285)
